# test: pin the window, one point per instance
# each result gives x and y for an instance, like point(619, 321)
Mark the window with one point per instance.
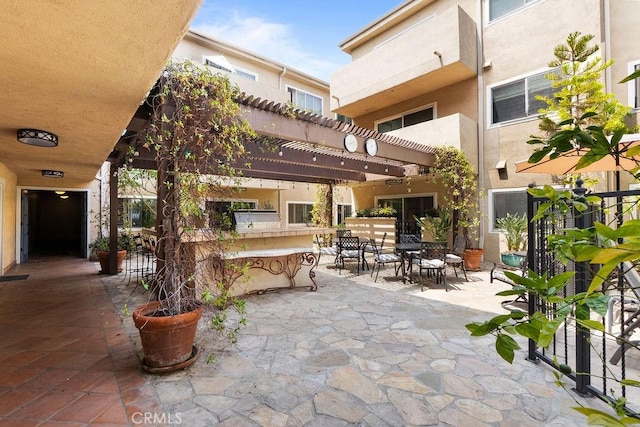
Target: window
point(219, 62)
point(305, 101)
point(299, 213)
point(634, 86)
point(498, 8)
point(344, 119)
point(245, 74)
point(407, 119)
point(137, 212)
point(517, 99)
point(502, 202)
point(344, 211)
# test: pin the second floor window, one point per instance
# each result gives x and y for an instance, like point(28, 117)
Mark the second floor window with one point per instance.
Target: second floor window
point(306, 101)
point(407, 119)
point(517, 99)
point(498, 8)
point(634, 86)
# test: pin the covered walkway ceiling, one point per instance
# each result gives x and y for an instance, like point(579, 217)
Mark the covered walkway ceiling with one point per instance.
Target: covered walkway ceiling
point(79, 69)
point(300, 147)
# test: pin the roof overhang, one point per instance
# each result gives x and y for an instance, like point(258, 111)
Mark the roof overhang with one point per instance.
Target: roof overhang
point(80, 71)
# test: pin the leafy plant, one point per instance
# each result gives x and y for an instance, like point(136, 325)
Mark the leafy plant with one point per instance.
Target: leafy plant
point(438, 225)
point(453, 170)
point(384, 212)
point(323, 206)
point(514, 227)
point(126, 242)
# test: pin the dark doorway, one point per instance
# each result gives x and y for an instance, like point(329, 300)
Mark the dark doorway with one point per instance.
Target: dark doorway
point(56, 223)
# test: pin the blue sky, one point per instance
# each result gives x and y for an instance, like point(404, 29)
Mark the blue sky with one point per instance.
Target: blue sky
point(301, 34)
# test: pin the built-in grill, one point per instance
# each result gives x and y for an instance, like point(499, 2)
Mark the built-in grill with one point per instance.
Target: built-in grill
point(247, 220)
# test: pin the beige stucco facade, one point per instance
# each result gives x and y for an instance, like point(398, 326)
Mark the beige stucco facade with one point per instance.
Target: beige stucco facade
point(450, 55)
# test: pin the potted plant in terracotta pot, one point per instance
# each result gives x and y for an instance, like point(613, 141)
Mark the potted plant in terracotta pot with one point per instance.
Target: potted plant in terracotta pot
point(100, 246)
point(514, 227)
point(454, 172)
point(197, 134)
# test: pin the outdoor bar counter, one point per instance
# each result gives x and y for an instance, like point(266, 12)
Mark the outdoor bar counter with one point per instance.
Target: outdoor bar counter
point(262, 260)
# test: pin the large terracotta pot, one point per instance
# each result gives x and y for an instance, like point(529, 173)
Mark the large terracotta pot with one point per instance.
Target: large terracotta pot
point(472, 259)
point(103, 257)
point(167, 341)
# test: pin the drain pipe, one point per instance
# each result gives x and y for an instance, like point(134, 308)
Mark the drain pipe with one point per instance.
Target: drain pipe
point(481, 112)
point(281, 77)
point(605, 8)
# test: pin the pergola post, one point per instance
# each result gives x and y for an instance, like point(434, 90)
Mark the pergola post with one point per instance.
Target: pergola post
point(113, 218)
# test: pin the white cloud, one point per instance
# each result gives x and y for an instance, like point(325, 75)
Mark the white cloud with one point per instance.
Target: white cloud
point(270, 39)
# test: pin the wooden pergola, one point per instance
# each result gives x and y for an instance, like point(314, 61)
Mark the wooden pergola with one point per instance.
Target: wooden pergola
point(290, 146)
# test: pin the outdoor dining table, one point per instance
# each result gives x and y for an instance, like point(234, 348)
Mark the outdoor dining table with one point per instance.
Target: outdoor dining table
point(404, 249)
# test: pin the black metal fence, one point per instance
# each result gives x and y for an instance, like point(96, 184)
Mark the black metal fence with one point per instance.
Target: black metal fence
point(589, 353)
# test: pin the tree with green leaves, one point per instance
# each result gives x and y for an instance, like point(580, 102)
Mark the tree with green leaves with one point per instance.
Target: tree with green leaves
point(453, 170)
point(578, 88)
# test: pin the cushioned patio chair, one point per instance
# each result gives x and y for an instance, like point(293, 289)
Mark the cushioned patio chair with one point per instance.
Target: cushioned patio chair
point(380, 257)
point(432, 260)
point(455, 259)
point(349, 248)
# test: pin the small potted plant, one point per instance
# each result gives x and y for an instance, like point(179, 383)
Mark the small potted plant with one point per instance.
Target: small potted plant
point(100, 246)
point(514, 227)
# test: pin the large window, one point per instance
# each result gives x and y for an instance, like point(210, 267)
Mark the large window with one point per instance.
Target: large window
point(634, 86)
point(407, 119)
point(137, 212)
point(498, 8)
point(299, 213)
point(517, 99)
point(502, 202)
point(305, 100)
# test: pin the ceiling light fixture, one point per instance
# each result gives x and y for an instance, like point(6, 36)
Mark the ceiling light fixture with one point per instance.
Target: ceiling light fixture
point(52, 174)
point(64, 197)
point(39, 138)
point(59, 193)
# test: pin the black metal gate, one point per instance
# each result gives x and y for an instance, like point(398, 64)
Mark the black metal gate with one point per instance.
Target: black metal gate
point(587, 352)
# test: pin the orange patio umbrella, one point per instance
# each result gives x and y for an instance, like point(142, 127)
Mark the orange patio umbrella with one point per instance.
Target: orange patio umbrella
point(567, 163)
